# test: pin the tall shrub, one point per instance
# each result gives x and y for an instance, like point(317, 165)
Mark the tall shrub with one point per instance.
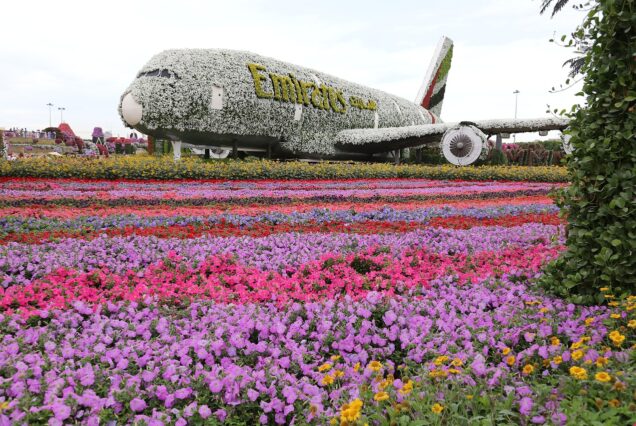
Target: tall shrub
point(601, 201)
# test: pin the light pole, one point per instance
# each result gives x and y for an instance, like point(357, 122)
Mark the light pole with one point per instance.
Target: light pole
point(516, 93)
point(50, 105)
point(61, 110)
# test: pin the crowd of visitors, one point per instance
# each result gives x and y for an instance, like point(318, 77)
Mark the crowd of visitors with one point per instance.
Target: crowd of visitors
point(28, 134)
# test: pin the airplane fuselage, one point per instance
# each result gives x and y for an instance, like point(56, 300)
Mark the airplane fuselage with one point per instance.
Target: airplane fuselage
point(226, 98)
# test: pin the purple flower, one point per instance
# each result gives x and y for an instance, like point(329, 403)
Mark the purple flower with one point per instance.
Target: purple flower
point(204, 411)
point(138, 405)
point(61, 411)
point(559, 418)
point(220, 414)
point(183, 393)
point(216, 386)
point(525, 406)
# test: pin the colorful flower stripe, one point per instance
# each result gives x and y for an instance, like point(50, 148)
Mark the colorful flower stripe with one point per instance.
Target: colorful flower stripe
point(10, 225)
point(260, 229)
point(238, 190)
point(21, 263)
point(63, 212)
point(224, 281)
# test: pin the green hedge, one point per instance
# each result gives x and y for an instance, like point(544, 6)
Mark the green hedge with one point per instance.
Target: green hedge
point(148, 167)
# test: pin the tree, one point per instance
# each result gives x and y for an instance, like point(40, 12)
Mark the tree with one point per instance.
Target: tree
point(600, 203)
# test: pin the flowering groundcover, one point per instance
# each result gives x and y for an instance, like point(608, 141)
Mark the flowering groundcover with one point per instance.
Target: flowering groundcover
point(403, 301)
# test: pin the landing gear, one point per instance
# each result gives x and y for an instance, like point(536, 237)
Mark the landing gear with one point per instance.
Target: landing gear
point(176, 148)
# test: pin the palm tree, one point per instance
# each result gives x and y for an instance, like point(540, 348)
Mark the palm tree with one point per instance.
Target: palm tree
point(560, 4)
point(576, 63)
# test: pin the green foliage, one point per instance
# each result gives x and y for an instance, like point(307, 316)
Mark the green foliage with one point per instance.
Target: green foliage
point(601, 202)
point(149, 167)
point(497, 158)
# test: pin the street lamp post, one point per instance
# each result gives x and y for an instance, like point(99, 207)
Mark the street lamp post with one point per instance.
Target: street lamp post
point(50, 105)
point(61, 109)
point(516, 93)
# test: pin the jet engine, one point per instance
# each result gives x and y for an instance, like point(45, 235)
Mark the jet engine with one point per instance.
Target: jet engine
point(219, 153)
point(464, 144)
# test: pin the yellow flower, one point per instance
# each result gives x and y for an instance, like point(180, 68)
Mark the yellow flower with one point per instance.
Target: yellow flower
point(601, 361)
point(602, 377)
point(511, 360)
point(617, 338)
point(610, 296)
point(3, 406)
point(374, 366)
point(440, 360)
point(407, 388)
point(438, 373)
point(356, 367)
point(576, 345)
point(589, 321)
point(505, 351)
point(327, 380)
point(325, 367)
point(437, 408)
point(349, 413)
point(577, 355)
point(615, 316)
point(614, 403)
point(557, 359)
point(469, 397)
point(528, 369)
point(338, 374)
point(333, 422)
point(632, 323)
point(457, 362)
point(335, 358)
point(357, 404)
point(613, 304)
point(384, 384)
point(544, 310)
point(578, 373)
point(454, 371)
point(554, 341)
point(381, 396)
point(604, 289)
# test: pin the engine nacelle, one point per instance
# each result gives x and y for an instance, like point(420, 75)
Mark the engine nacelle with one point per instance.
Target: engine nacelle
point(464, 144)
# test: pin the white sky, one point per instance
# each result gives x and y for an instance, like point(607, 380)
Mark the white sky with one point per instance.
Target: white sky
point(81, 55)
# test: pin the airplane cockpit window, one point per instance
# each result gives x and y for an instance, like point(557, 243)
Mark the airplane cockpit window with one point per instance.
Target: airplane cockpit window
point(158, 73)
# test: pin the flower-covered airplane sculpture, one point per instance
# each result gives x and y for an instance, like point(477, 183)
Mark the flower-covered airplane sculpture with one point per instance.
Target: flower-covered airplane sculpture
point(238, 100)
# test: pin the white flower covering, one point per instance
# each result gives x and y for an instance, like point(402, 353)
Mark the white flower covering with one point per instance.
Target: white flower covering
point(177, 103)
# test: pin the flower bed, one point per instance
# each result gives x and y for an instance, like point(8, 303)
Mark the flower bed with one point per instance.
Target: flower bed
point(307, 302)
point(147, 167)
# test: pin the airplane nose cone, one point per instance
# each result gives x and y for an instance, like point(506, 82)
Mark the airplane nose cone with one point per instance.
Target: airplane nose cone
point(131, 110)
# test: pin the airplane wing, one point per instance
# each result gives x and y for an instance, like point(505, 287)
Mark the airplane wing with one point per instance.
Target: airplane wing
point(392, 138)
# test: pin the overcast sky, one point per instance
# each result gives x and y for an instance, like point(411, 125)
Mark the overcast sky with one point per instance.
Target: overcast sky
point(81, 55)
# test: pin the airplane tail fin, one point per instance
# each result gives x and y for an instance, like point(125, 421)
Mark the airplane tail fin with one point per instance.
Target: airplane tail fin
point(431, 94)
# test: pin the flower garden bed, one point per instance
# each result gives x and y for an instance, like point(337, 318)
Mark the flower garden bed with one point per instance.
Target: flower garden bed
point(394, 301)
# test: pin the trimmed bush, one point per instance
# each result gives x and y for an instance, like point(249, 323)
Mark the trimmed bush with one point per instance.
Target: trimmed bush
point(149, 167)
